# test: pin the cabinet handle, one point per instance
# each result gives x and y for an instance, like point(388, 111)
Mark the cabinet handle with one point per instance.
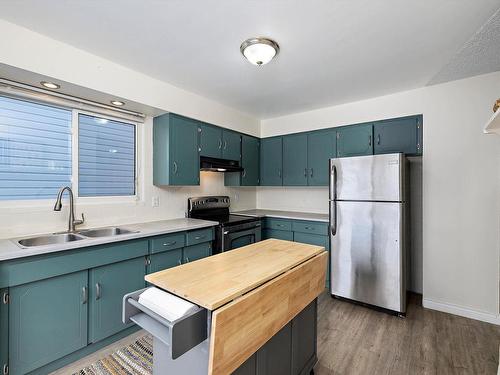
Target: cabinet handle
point(175, 167)
point(305, 172)
point(244, 174)
point(378, 139)
point(370, 140)
point(311, 172)
point(279, 172)
point(97, 291)
point(199, 237)
point(170, 243)
point(220, 144)
point(179, 261)
point(225, 145)
point(187, 260)
point(85, 295)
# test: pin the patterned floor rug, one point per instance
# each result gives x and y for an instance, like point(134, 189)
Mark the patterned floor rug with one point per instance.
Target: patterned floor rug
point(135, 359)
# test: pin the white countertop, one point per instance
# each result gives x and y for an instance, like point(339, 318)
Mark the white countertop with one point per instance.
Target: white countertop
point(10, 250)
point(285, 215)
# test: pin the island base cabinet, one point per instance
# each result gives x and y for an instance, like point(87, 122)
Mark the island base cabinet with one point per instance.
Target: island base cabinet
point(292, 351)
point(47, 320)
point(108, 284)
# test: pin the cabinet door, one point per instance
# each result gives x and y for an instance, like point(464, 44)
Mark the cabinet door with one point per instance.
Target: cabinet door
point(278, 234)
point(355, 140)
point(304, 340)
point(185, 159)
point(321, 146)
point(271, 158)
point(108, 284)
point(47, 320)
point(275, 357)
point(231, 145)
point(250, 161)
point(195, 252)
point(167, 259)
point(248, 367)
point(397, 135)
point(295, 160)
point(210, 141)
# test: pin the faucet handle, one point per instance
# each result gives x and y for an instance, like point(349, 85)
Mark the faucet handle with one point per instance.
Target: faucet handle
point(79, 221)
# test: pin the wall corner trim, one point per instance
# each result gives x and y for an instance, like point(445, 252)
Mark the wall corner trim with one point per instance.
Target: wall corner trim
point(461, 311)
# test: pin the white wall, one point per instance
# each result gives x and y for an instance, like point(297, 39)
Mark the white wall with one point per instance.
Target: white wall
point(42, 55)
point(36, 217)
point(461, 196)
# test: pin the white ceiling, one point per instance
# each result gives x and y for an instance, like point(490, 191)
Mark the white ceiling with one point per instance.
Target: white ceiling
point(332, 51)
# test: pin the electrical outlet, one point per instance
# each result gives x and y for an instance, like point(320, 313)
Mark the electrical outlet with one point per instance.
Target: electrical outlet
point(155, 201)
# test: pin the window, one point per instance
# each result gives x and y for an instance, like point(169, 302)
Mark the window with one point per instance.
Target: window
point(36, 143)
point(35, 150)
point(106, 157)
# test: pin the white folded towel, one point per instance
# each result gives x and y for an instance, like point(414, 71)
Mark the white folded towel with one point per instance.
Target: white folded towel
point(165, 304)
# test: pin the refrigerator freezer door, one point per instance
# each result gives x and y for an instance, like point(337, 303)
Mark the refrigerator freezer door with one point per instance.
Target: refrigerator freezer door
point(367, 258)
point(368, 178)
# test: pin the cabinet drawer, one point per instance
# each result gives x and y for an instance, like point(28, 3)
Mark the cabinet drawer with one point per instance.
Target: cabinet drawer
point(311, 239)
point(278, 234)
point(199, 236)
point(279, 224)
point(167, 242)
point(310, 227)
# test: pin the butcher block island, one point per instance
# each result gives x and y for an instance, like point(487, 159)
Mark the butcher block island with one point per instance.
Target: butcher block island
point(247, 311)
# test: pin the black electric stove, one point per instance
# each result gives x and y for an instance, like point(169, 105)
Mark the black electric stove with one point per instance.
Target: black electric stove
point(233, 231)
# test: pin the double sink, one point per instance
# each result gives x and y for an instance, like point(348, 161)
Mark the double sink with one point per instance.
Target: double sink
point(60, 238)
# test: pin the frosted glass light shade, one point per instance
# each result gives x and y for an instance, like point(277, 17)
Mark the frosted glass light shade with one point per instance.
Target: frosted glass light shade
point(259, 51)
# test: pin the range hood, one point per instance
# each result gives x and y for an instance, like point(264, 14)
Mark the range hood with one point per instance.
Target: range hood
point(219, 165)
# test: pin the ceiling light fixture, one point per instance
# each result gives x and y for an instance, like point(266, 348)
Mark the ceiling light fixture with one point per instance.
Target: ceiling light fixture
point(259, 51)
point(118, 103)
point(50, 85)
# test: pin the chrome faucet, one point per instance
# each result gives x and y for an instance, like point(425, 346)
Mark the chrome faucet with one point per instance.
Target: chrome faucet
point(72, 223)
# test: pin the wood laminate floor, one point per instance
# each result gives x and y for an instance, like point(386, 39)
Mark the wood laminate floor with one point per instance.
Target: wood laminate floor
point(355, 340)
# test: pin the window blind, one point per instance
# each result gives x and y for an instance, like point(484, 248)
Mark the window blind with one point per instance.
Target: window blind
point(35, 149)
point(106, 160)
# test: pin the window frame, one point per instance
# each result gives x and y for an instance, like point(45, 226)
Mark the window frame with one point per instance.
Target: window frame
point(36, 205)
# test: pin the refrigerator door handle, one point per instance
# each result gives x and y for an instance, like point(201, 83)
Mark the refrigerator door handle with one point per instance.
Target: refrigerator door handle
point(333, 203)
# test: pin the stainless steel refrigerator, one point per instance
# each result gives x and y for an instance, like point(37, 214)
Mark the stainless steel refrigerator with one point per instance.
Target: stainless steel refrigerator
point(368, 225)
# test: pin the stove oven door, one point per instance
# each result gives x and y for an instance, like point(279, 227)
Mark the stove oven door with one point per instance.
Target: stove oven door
point(233, 239)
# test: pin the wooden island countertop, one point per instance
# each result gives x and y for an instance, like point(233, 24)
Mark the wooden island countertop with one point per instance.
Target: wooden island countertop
point(214, 281)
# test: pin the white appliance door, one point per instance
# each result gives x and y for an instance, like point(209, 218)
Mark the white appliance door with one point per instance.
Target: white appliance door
point(367, 257)
point(368, 178)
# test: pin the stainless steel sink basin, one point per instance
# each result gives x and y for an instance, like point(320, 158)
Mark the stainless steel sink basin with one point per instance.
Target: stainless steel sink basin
point(49, 239)
point(105, 232)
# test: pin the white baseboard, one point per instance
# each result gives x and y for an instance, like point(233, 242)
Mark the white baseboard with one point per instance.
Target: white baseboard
point(461, 311)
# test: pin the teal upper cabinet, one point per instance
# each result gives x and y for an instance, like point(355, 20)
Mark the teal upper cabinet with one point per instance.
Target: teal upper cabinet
point(321, 146)
point(231, 145)
point(250, 147)
point(47, 320)
point(295, 171)
point(271, 161)
point(175, 151)
point(399, 135)
point(210, 141)
point(355, 140)
point(108, 284)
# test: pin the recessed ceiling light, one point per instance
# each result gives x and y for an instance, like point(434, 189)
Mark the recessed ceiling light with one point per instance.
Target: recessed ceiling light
point(50, 85)
point(118, 103)
point(259, 51)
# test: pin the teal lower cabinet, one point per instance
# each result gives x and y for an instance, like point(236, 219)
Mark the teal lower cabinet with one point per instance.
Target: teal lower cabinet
point(195, 252)
point(167, 259)
point(275, 357)
point(47, 320)
point(108, 284)
point(278, 234)
point(309, 232)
